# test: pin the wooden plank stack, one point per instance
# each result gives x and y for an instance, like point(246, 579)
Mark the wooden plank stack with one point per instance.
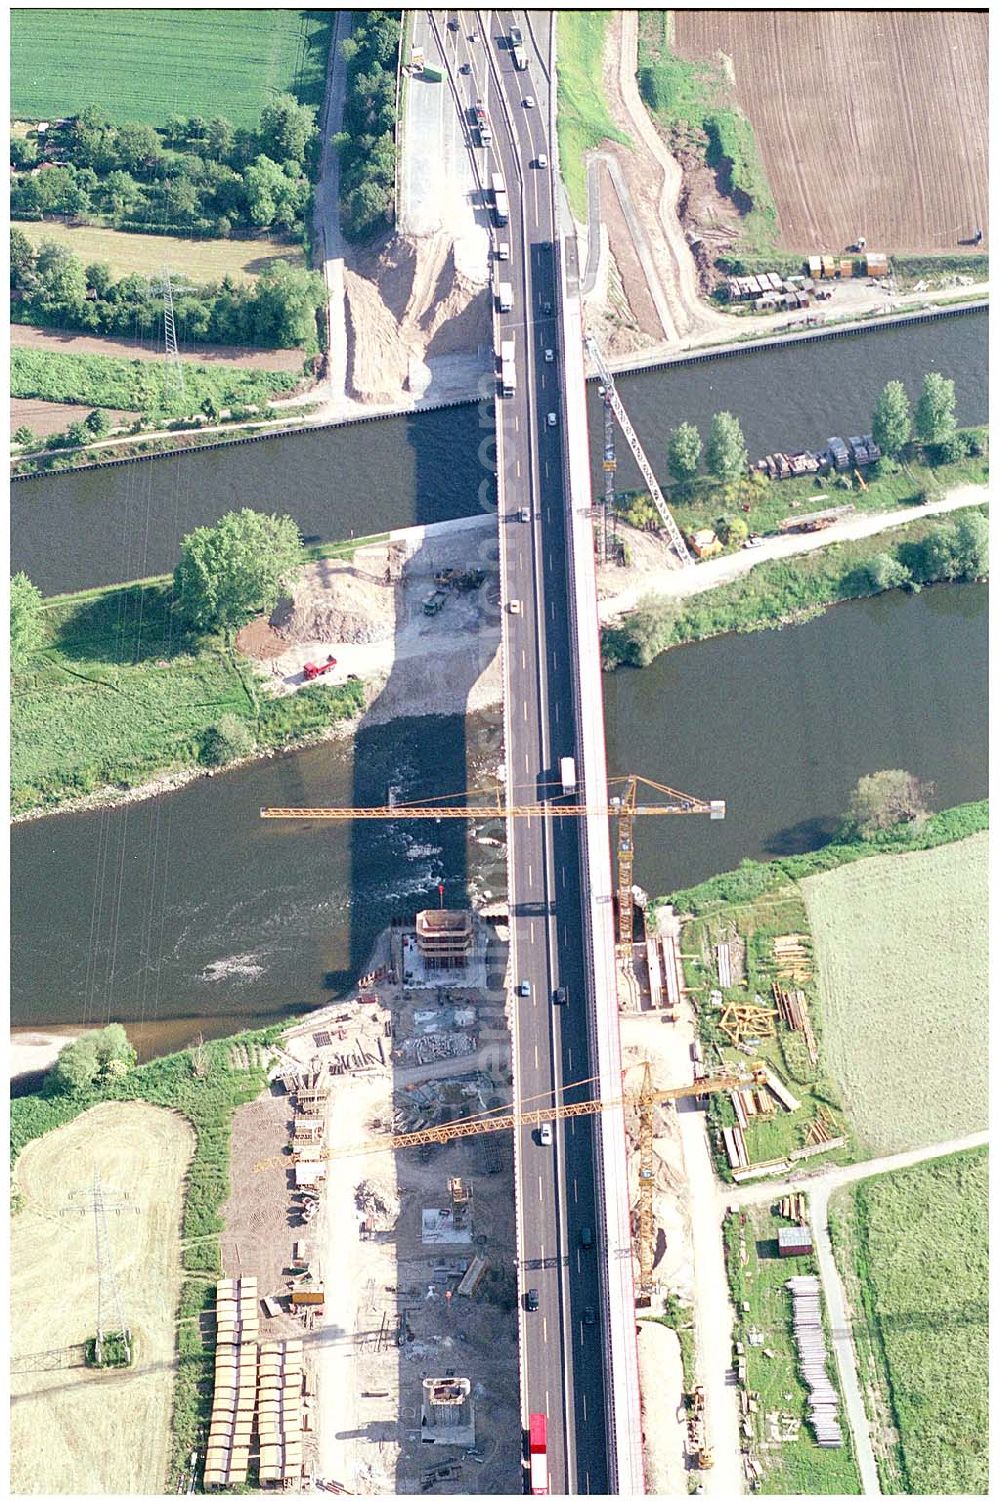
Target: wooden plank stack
point(790, 950)
point(279, 1410)
point(231, 1425)
point(794, 1013)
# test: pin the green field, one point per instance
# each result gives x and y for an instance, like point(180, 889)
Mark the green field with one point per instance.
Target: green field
point(901, 950)
point(138, 385)
point(583, 119)
point(119, 693)
point(799, 1467)
point(913, 1249)
point(146, 65)
point(203, 260)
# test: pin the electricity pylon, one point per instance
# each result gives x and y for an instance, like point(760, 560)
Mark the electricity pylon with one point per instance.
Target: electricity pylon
point(110, 1312)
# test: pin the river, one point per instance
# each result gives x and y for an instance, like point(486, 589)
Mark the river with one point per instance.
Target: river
point(189, 914)
point(76, 531)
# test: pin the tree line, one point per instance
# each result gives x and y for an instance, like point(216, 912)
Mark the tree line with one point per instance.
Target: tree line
point(367, 142)
point(193, 176)
point(56, 290)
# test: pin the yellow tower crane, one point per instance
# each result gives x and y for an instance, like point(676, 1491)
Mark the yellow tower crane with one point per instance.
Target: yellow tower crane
point(625, 807)
point(479, 1125)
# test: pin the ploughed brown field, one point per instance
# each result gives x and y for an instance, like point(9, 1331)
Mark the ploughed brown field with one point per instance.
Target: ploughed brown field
point(868, 122)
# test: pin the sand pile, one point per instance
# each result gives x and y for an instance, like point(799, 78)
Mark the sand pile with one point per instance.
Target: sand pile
point(336, 601)
point(406, 304)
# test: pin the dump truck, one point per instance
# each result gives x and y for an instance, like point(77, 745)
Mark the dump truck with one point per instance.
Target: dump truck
point(434, 603)
point(538, 1462)
point(313, 670)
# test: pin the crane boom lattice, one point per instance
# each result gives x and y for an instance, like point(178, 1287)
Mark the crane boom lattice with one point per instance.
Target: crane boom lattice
point(670, 526)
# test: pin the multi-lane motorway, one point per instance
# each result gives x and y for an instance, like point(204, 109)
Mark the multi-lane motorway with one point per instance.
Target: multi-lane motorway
point(563, 1371)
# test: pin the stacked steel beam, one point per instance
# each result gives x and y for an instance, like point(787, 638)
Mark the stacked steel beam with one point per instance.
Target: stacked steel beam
point(810, 1337)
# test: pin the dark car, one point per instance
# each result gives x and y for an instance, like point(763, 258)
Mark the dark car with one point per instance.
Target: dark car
point(559, 996)
point(531, 1300)
point(586, 1237)
point(589, 1316)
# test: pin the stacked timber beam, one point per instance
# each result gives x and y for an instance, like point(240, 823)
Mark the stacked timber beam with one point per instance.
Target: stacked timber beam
point(810, 1337)
point(231, 1425)
point(795, 1014)
point(279, 1410)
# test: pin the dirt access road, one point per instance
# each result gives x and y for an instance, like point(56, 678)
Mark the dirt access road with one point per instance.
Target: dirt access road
point(670, 581)
point(892, 146)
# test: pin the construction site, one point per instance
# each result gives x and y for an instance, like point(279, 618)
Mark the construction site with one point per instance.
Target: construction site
point(391, 1272)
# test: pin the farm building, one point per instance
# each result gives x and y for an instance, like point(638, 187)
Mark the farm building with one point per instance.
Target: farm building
point(795, 1240)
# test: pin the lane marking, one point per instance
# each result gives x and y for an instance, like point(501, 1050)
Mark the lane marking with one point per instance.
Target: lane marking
point(555, 662)
point(524, 660)
point(584, 1396)
point(531, 878)
point(545, 1330)
point(546, 468)
point(539, 1190)
point(552, 608)
point(517, 465)
point(557, 711)
point(516, 422)
point(531, 930)
point(526, 764)
point(576, 1192)
point(524, 706)
point(569, 1056)
point(562, 872)
point(536, 1065)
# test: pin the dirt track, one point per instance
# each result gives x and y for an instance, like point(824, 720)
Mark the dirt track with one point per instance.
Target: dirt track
point(868, 122)
point(73, 1430)
point(54, 341)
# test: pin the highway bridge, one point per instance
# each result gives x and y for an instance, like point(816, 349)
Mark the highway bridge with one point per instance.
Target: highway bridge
point(578, 1355)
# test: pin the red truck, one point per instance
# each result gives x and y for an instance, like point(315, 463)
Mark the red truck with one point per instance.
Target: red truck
point(314, 670)
point(538, 1464)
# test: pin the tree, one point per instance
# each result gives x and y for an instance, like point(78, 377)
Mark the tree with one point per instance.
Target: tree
point(235, 570)
point(732, 529)
point(934, 420)
point(885, 799)
point(684, 452)
point(285, 130)
point(22, 261)
point(138, 148)
point(98, 277)
point(25, 437)
point(726, 455)
point(62, 282)
point(884, 571)
point(640, 512)
point(115, 1054)
point(79, 434)
point(96, 423)
point(285, 300)
point(971, 546)
point(892, 423)
point(27, 631)
point(226, 741)
point(219, 137)
point(76, 1067)
point(23, 153)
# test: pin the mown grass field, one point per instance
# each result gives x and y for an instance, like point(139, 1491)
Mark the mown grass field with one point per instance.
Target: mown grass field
point(146, 65)
point(800, 1467)
point(901, 950)
point(913, 1248)
point(583, 120)
point(120, 693)
point(139, 385)
point(204, 261)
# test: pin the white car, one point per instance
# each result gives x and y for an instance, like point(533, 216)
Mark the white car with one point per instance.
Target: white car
point(551, 419)
point(515, 607)
point(550, 355)
point(541, 160)
point(524, 514)
point(529, 101)
point(545, 1133)
point(503, 252)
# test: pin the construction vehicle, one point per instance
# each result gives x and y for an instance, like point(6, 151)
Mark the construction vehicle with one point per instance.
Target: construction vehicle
point(313, 670)
point(462, 579)
point(538, 1464)
point(434, 603)
point(625, 808)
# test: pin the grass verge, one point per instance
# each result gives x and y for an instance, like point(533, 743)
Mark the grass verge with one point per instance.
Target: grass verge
point(205, 1089)
point(139, 385)
point(689, 102)
point(912, 1248)
point(119, 693)
point(757, 1277)
point(583, 118)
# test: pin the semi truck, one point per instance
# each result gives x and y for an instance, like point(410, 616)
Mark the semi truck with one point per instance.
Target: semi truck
point(500, 198)
point(508, 375)
point(538, 1463)
point(520, 59)
point(567, 772)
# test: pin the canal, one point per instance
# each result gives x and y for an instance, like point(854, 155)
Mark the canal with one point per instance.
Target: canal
point(76, 531)
point(188, 914)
